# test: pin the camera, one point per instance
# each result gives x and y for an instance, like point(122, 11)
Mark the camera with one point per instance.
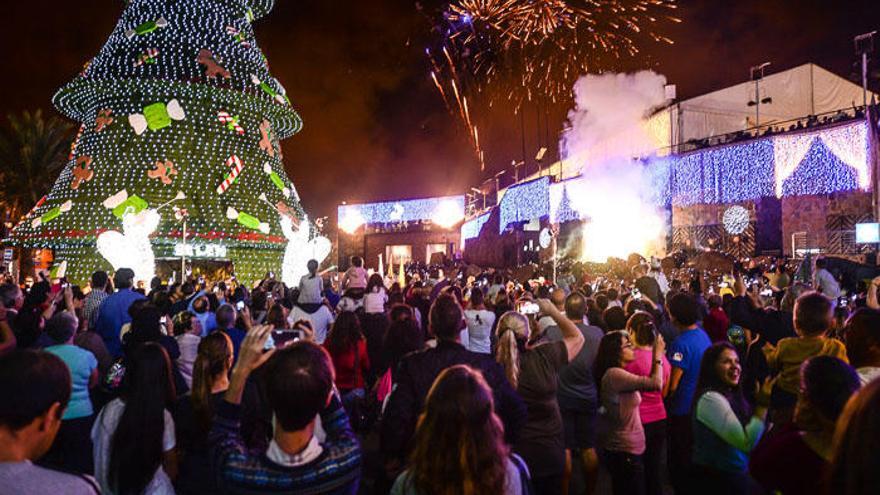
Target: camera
point(239, 305)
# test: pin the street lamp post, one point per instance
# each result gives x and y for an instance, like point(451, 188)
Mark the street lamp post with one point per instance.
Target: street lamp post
point(756, 73)
point(864, 45)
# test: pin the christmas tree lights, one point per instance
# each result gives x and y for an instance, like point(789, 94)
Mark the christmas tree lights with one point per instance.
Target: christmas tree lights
point(169, 104)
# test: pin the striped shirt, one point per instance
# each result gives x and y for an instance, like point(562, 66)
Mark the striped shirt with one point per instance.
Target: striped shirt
point(90, 307)
point(336, 470)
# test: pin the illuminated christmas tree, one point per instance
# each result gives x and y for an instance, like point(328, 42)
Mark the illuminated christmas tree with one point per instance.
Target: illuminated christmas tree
point(181, 120)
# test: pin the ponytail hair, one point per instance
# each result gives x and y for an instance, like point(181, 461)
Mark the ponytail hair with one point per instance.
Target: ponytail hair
point(212, 360)
point(512, 331)
point(641, 328)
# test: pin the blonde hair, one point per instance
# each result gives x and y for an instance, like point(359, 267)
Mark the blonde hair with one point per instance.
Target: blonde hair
point(512, 326)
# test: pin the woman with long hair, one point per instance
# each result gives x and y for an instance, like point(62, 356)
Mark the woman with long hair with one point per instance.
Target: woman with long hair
point(348, 350)
point(726, 429)
point(533, 370)
point(402, 337)
point(375, 295)
point(623, 438)
point(133, 436)
point(195, 411)
point(374, 323)
point(855, 463)
point(277, 317)
point(459, 442)
point(642, 333)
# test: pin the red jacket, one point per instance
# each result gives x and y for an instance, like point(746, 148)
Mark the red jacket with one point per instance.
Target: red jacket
point(346, 376)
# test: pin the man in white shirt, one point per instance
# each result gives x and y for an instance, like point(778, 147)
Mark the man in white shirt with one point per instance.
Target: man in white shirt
point(824, 282)
point(321, 320)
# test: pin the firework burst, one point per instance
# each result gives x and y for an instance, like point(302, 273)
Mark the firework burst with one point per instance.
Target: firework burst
point(514, 51)
point(521, 49)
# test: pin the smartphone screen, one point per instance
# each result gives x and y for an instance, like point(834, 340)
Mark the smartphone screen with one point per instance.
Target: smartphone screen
point(528, 308)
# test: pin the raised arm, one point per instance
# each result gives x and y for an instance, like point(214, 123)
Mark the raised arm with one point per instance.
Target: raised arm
point(714, 411)
point(571, 334)
point(625, 381)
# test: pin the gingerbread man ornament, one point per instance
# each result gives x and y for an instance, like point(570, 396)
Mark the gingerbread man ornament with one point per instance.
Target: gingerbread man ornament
point(103, 119)
point(163, 171)
point(212, 67)
point(82, 171)
point(266, 138)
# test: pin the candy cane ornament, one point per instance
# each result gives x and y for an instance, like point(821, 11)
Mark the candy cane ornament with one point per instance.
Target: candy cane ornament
point(230, 121)
point(237, 165)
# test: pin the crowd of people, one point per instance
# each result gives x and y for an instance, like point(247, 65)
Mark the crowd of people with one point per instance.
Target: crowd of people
point(445, 382)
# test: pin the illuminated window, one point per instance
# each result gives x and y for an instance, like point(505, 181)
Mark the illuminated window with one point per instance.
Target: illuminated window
point(398, 254)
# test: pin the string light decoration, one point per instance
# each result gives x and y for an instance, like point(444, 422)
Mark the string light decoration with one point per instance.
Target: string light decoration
point(444, 209)
point(735, 219)
point(471, 229)
point(174, 101)
point(561, 208)
point(823, 161)
point(524, 202)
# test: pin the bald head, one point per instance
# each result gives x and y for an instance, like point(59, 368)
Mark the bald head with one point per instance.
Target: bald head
point(557, 297)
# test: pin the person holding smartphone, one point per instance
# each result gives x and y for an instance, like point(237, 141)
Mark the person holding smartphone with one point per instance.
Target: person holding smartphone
point(534, 372)
point(623, 438)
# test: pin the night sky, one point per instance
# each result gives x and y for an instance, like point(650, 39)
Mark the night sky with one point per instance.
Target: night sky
point(375, 126)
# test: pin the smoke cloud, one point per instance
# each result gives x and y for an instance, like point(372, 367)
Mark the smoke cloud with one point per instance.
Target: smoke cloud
point(608, 128)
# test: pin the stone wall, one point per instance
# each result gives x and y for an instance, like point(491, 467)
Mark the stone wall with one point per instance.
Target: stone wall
point(828, 222)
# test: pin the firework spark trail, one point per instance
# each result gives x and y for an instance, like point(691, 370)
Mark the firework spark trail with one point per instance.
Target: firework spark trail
point(461, 104)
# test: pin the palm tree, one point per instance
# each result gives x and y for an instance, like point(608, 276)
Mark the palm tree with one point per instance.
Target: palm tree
point(33, 150)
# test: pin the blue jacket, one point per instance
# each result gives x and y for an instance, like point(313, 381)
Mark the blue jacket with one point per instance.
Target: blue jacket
point(112, 314)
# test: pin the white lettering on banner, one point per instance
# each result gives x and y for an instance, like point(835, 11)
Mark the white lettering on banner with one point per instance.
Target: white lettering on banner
point(200, 250)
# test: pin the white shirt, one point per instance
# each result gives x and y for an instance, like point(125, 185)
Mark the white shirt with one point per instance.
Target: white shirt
point(824, 281)
point(320, 320)
point(374, 302)
point(479, 330)
point(189, 349)
point(660, 277)
point(311, 289)
point(102, 438)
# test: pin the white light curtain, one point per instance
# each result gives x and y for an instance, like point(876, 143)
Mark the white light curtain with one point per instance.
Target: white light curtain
point(850, 144)
point(788, 152)
point(556, 192)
